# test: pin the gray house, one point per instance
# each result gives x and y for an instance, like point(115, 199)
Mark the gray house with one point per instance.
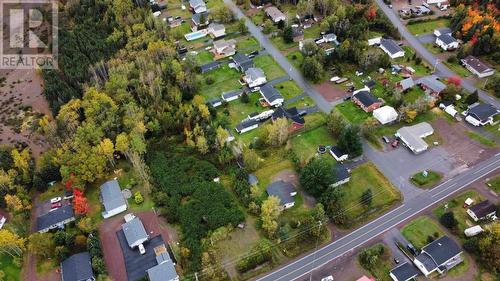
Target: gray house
point(285, 191)
point(78, 267)
point(134, 232)
point(165, 269)
point(55, 219)
point(112, 199)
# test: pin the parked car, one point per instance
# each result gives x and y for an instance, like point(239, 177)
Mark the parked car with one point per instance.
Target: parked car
point(56, 205)
point(395, 143)
point(412, 249)
point(55, 200)
point(327, 278)
point(386, 139)
point(142, 250)
point(396, 261)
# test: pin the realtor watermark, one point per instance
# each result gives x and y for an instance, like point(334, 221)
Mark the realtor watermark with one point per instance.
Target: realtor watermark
point(29, 34)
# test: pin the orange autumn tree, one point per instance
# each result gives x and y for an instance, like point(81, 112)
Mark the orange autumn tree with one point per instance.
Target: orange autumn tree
point(80, 203)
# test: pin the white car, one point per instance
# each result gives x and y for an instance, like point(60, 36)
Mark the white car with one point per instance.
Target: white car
point(142, 250)
point(55, 200)
point(327, 278)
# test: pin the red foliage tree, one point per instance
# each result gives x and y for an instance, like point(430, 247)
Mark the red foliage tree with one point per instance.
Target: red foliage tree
point(80, 203)
point(455, 80)
point(371, 13)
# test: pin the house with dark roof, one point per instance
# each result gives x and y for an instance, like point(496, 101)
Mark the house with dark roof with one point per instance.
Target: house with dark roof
point(364, 99)
point(199, 21)
point(55, 219)
point(112, 199)
point(272, 97)
point(165, 269)
point(439, 256)
point(441, 31)
point(232, 95)
point(431, 85)
point(447, 42)
point(338, 154)
point(210, 66)
point(247, 125)
point(285, 191)
point(477, 67)
point(341, 174)
point(297, 33)
point(391, 48)
point(78, 267)
point(242, 62)
point(134, 231)
point(404, 272)
point(483, 211)
point(481, 114)
point(291, 114)
point(254, 77)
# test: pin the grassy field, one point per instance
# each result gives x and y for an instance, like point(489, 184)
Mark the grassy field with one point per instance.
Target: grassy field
point(481, 139)
point(247, 44)
point(421, 69)
point(494, 184)
point(271, 166)
point(458, 69)
point(258, 18)
point(385, 195)
point(204, 57)
point(418, 231)
point(296, 58)
point(455, 205)
point(281, 44)
point(433, 48)
point(427, 26)
point(413, 94)
point(383, 265)
point(312, 32)
point(352, 112)
point(306, 144)
point(288, 89)
point(270, 67)
point(429, 181)
point(224, 79)
point(11, 271)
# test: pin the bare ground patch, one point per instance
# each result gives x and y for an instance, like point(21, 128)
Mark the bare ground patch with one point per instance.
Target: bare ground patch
point(330, 92)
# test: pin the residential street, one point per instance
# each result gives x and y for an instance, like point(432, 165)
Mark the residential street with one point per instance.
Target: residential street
point(441, 70)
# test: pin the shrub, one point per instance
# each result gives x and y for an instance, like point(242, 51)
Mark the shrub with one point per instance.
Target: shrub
point(448, 220)
point(262, 255)
point(138, 198)
point(209, 80)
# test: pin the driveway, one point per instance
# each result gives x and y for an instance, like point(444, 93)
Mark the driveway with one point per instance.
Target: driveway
point(426, 38)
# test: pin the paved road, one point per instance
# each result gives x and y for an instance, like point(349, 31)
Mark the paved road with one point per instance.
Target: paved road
point(280, 59)
point(427, 38)
point(441, 70)
point(411, 208)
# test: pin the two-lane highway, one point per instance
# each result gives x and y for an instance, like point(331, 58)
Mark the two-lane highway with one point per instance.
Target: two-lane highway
point(364, 234)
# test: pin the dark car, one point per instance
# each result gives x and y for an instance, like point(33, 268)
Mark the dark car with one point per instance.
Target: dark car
point(412, 249)
point(396, 260)
point(347, 98)
point(395, 143)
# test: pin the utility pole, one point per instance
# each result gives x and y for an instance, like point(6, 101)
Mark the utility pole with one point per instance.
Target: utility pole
point(315, 250)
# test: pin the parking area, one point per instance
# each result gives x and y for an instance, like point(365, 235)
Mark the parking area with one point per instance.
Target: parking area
point(45, 206)
point(399, 5)
point(330, 92)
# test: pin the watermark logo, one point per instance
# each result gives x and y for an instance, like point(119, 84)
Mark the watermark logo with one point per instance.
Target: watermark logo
point(29, 34)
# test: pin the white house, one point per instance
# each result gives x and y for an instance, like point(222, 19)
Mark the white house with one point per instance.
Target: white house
point(482, 211)
point(440, 31)
point(112, 199)
point(481, 114)
point(391, 48)
point(385, 114)
point(477, 67)
point(342, 175)
point(254, 77)
point(197, 6)
point(374, 41)
point(338, 154)
point(230, 96)
point(216, 30)
point(285, 191)
point(473, 231)
point(271, 95)
point(412, 136)
point(440, 255)
point(446, 42)
point(275, 14)
point(247, 125)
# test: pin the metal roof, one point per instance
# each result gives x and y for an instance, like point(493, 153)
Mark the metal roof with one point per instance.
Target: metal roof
point(111, 195)
point(413, 135)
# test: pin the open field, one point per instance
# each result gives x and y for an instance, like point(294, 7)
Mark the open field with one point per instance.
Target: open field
point(419, 230)
point(306, 144)
point(281, 44)
point(270, 67)
point(458, 69)
point(352, 112)
point(288, 89)
point(427, 26)
point(223, 79)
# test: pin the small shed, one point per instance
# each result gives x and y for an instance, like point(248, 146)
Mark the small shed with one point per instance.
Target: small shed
point(385, 114)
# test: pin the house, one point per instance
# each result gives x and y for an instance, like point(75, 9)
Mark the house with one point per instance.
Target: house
point(412, 136)
point(78, 267)
point(272, 97)
point(252, 179)
point(134, 231)
point(330, 38)
point(297, 33)
point(483, 211)
point(374, 41)
point(217, 30)
point(431, 85)
point(210, 66)
point(341, 174)
point(481, 114)
point(233, 95)
point(242, 62)
point(275, 14)
point(197, 6)
point(441, 31)
point(404, 272)
point(338, 154)
point(247, 125)
point(55, 219)
point(364, 99)
point(264, 115)
point(224, 48)
point(391, 48)
point(435, 1)
point(254, 77)
point(215, 102)
point(112, 199)
point(405, 84)
point(199, 21)
point(165, 269)
point(291, 114)
point(285, 191)
point(440, 255)
point(446, 42)
point(385, 114)
point(477, 67)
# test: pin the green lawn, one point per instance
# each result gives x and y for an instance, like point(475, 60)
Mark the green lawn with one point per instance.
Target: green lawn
point(270, 67)
point(433, 48)
point(258, 18)
point(421, 69)
point(352, 112)
point(481, 139)
point(458, 69)
point(429, 181)
point(312, 32)
point(272, 165)
point(494, 184)
point(281, 44)
point(296, 58)
point(413, 94)
point(288, 89)
point(302, 102)
point(11, 271)
point(247, 44)
point(418, 231)
point(224, 79)
point(306, 144)
point(427, 26)
point(455, 205)
point(385, 195)
point(204, 57)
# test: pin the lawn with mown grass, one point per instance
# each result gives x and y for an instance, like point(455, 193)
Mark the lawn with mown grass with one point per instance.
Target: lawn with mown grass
point(427, 26)
point(413, 94)
point(384, 194)
point(419, 230)
point(458, 69)
point(352, 112)
point(11, 271)
point(215, 82)
point(296, 58)
point(305, 145)
point(288, 89)
point(279, 42)
point(274, 163)
point(204, 57)
point(481, 139)
point(270, 67)
point(247, 44)
point(494, 184)
point(433, 48)
point(430, 180)
point(456, 205)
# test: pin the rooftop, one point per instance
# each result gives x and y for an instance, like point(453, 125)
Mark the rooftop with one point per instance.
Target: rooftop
point(366, 98)
point(447, 38)
point(270, 93)
point(282, 190)
point(390, 46)
point(432, 82)
point(290, 113)
point(274, 12)
point(111, 195)
point(483, 209)
point(341, 172)
point(235, 93)
point(336, 150)
point(243, 61)
point(405, 271)
point(134, 231)
point(413, 135)
point(254, 73)
point(77, 267)
point(442, 249)
point(246, 124)
point(476, 64)
point(483, 111)
point(51, 218)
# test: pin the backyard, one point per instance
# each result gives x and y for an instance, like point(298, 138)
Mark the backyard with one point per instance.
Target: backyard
point(217, 81)
point(427, 26)
point(271, 69)
point(352, 112)
point(7, 266)
point(419, 231)
point(306, 144)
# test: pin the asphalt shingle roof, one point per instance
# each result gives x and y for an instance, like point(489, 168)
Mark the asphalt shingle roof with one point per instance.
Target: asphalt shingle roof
point(390, 46)
point(282, 190)
point(442, 249)
point(134, 231)
point(483, 111)
point(111, 195)
point(405, 271)
point(446, 38)
point(476, 64)
point(61, 214)
point(78, 267)
point(341, 172)
point(270, 93)
point(366, 98)
point(482, 209)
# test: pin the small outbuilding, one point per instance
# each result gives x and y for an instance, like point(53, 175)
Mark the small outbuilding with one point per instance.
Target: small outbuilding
point(385, 114)
point(338, 154)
